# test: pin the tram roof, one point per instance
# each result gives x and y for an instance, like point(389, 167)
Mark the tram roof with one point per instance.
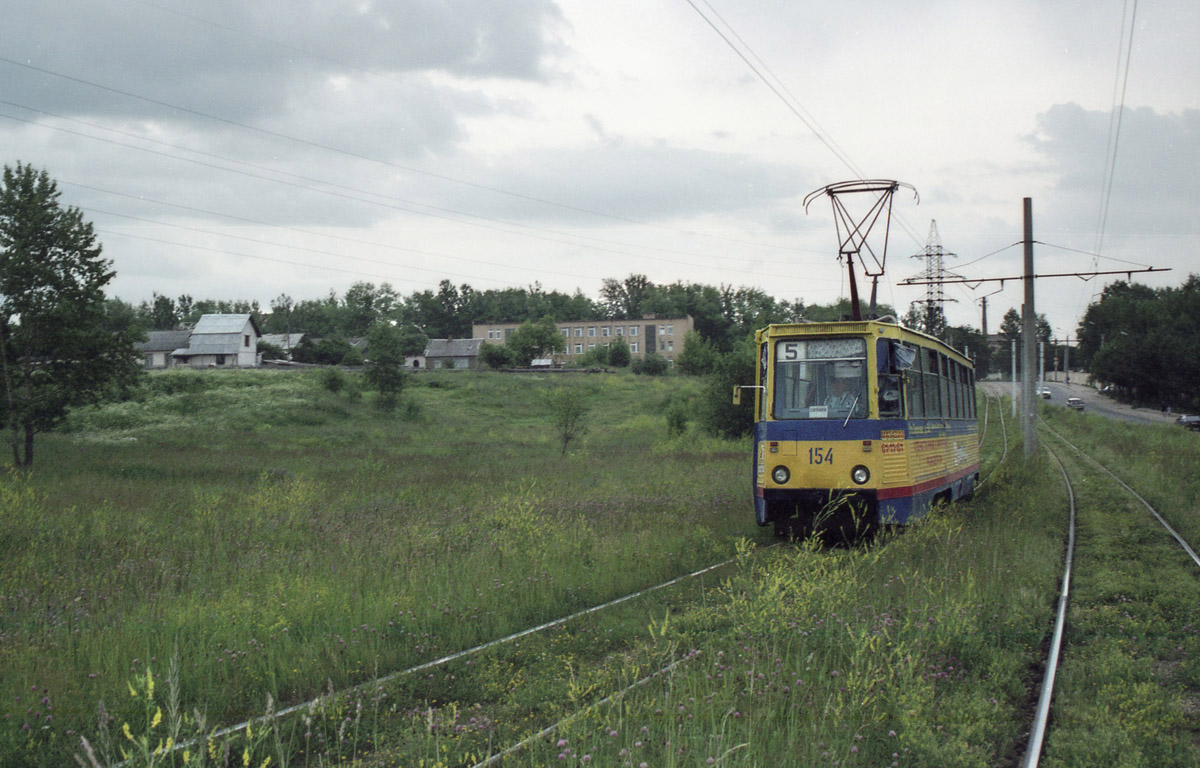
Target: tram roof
point(876, 328)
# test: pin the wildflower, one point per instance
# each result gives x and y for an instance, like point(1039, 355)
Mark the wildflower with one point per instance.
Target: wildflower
point(246, 758)
point(125, 730)
point(157, 719)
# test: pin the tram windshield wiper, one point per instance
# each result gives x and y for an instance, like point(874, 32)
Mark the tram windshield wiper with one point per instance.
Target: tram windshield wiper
point(851, 411)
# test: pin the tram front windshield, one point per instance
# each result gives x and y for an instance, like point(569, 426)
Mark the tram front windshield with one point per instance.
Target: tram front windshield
point(820, 379)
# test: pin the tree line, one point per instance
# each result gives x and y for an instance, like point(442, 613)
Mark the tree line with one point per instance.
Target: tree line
point(1145, 342)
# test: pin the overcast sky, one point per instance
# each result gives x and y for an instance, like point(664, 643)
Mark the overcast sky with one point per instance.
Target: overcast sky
point(240, 149)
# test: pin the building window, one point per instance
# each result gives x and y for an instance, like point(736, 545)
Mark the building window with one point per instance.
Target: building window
point(633, 330)
point(662, 330)
point(606, 331)
point(579, 331)
point(633, 347)
point(220, 359)
point(566, 332)
point(670, 330)
point(591, 346)
point(620, 330)
point(670, 346)
point(579, 349)
point(592, 331)
point(246, 340)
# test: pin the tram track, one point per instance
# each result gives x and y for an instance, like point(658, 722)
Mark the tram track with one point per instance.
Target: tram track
point(1078, 646)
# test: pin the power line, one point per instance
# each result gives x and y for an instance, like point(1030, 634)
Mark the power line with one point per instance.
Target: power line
point(335, 185)
point(490, 224)
point(351, 154)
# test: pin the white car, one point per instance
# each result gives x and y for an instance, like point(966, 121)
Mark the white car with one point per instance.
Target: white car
point(1044, 392)
point(1075, 402)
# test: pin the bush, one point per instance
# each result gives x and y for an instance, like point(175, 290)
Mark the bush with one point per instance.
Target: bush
point(353, 357)
point(270, 351)
point(718, 414)
point(495, 355)
point(698, 357)
point(618, 353)
point(678, 414)
point(653, 364)
point(333, 379)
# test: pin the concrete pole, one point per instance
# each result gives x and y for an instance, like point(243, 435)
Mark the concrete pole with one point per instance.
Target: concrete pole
point(1067, 361)
point(1041, 363)
point(1013, 357)
point(1029, 342)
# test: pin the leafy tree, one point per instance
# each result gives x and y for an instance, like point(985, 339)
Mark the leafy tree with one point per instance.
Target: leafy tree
point(698, 356)
point(619, 355)
point(625, 298)
point(385, 369)
point(568, 409)
point(55, 351)
point(533, 340)
point(495, 355)
point(718, 414)
point(412, 340)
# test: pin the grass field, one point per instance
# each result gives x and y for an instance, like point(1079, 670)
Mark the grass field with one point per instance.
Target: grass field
point(240, 536)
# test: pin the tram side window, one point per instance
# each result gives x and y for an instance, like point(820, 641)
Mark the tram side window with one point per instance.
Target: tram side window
point(913, 389)
point(956, 387)
point(887, 370)
point(975, 414)
point(929, 366)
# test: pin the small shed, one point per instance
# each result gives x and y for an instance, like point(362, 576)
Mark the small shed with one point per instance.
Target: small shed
point(160, 345)
point(452, 353)
point(285, 341)
point(221, 341)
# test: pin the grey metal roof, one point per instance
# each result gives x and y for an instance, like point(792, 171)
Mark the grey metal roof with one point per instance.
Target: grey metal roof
point(224, 324)
point(163, 341)
point(202, 347)
point(453, 347)
point(283, 340)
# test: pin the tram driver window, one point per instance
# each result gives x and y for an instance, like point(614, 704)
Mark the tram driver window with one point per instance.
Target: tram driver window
point(820, 379)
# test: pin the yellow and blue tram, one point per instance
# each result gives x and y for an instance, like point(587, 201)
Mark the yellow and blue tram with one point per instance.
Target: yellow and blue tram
point(858, 424)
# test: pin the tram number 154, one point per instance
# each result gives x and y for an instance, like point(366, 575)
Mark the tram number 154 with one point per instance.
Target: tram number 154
point(820, 455)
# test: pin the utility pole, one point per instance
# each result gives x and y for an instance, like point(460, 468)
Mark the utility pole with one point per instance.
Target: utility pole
point(1028, 341)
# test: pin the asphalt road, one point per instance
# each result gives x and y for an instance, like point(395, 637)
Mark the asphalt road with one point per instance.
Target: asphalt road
point(1092, 401)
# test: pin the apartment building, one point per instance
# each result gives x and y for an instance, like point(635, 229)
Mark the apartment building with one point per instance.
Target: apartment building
point(661, 335)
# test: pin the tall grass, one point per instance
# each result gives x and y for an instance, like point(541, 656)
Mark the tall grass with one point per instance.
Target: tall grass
point(283, 539)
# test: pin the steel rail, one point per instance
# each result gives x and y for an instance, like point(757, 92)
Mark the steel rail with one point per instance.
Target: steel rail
point(292, 709)
point(1037, 735)
point(1004, 437)
point(1162, 521)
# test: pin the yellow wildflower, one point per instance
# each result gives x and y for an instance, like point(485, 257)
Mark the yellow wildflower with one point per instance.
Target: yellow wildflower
point(125, 730)
point(246, 757)
point(157, 718)
point(187, 756)
point(266, 762)
point(149, 684)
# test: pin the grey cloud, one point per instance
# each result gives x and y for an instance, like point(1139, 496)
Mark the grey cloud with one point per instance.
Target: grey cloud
point(1155, 184)
point(248, 59)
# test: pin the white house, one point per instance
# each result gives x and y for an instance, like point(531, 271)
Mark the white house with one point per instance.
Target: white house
point(159, 347)
point(221, 341)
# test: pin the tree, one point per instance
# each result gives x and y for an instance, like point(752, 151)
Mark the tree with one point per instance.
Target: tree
point(698, 356)
point(385, 369)
point(618, 353)
point(533, 340)
point(568, 409)
point(495, 355)
point(56, 351)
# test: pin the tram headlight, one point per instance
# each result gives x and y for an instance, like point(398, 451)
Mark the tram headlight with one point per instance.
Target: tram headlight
point(780, 475)
point(860, 475)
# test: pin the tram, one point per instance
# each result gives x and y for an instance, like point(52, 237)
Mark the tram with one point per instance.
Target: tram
point(859, 424)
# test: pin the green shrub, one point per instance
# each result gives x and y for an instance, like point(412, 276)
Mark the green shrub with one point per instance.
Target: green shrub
point(333, 379)
point(653, 364)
